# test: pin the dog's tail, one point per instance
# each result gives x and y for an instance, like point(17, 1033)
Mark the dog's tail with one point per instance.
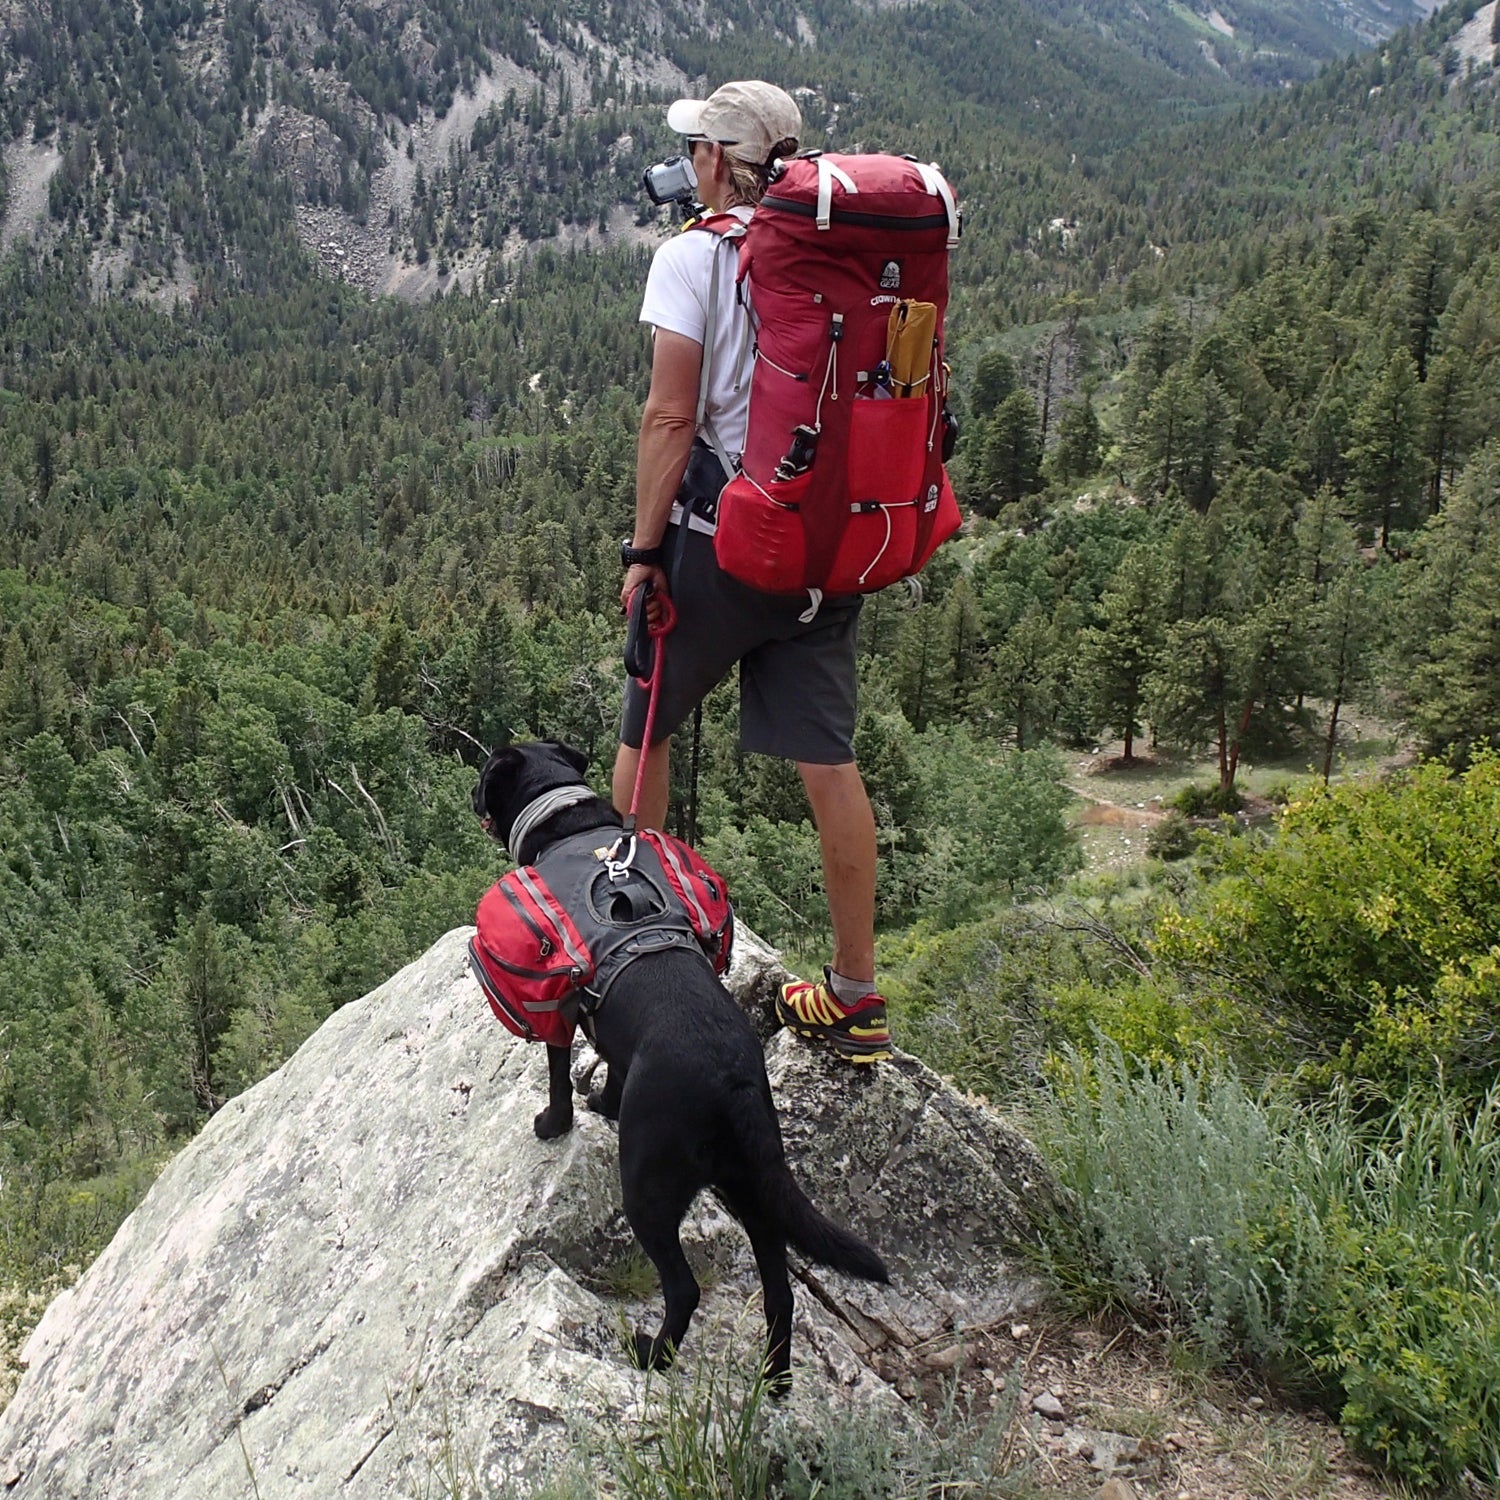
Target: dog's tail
point(784, 1202)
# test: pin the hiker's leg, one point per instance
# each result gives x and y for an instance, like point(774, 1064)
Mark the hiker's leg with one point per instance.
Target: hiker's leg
point(846, 830)
point(652, 813)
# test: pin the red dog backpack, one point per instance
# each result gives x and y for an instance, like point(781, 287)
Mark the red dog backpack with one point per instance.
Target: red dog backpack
point(554, 936)
point(842, 486)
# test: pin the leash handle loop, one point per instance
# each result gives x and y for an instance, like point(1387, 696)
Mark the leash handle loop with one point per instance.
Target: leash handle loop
point(650, 679)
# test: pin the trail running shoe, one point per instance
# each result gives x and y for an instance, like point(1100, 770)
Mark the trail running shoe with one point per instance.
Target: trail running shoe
point(858, 1031)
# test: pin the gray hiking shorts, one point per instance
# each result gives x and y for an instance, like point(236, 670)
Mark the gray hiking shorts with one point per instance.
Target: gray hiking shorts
point(797, 679)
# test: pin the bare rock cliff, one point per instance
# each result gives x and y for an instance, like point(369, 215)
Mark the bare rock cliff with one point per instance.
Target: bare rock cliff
point(368, 1266)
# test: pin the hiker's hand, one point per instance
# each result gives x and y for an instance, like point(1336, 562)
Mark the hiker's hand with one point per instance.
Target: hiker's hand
point(636, 575)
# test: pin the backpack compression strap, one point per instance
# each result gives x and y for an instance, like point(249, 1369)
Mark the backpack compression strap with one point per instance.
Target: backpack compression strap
point(936, 184)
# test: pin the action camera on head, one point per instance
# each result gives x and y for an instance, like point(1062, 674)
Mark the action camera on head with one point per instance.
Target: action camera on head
point(672, 181)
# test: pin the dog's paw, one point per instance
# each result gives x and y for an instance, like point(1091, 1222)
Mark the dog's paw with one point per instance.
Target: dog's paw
point(651, 1354)
point(550, 1124)
point(778, 1383)
point(600, 1103)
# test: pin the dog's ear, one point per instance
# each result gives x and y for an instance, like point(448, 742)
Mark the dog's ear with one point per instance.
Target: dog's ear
point(502, 758)
point(574, 757)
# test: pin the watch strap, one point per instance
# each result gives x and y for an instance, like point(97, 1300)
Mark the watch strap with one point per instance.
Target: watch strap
point(629, 556)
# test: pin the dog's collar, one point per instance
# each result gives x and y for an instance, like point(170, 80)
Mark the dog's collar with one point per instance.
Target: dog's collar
point(539, 810)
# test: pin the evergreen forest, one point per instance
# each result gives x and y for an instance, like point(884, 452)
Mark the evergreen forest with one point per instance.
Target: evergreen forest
point(279, 561)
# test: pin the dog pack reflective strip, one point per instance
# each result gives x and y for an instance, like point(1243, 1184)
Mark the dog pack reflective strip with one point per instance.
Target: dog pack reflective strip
point(524, 971)
point(525, 877)
point(858, 220)
point(668, 855)
point(543, 942)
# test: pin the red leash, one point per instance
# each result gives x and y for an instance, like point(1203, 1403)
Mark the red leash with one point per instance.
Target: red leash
point(652, 684)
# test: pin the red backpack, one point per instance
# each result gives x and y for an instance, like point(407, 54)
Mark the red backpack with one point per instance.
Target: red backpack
point(553, 937)
point(842, 486)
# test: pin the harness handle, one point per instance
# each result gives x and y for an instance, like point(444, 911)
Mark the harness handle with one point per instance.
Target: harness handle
point(645, 653)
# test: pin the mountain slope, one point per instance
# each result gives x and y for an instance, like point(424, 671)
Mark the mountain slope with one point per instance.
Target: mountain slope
point(1261, 42)
point(182, 141)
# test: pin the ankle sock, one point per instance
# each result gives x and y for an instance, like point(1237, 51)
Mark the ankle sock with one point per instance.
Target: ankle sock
point(849, 991)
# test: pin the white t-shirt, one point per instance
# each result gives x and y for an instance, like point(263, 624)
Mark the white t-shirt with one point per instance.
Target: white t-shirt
point(677, 299)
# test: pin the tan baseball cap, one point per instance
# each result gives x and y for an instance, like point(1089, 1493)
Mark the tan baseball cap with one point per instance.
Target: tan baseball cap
point(748, 119)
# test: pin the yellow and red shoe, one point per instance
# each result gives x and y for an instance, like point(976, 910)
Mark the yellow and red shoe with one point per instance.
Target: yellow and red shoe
point(859, 1031)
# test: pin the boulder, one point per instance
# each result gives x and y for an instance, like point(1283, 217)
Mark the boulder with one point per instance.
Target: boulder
point(367, 1271)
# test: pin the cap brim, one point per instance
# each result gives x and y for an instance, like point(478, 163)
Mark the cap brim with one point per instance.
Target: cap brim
point(685, 117)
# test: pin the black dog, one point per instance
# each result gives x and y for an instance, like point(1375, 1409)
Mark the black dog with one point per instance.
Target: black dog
point(687, 1083)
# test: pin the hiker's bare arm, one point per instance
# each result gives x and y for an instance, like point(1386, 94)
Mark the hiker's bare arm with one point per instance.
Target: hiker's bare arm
point(667, 428)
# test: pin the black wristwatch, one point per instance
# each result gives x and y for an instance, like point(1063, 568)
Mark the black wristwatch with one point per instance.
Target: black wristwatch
point(630, 556)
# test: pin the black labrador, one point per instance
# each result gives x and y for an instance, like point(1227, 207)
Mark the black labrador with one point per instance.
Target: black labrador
point(687, 1084)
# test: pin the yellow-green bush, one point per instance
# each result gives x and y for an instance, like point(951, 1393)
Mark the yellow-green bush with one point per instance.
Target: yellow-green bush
point(1368, 931)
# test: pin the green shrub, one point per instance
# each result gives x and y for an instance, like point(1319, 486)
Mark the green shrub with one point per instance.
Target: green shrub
point(705, 1425)
point(988, 1004)
point(1172, 838)
point(1145, 1015)
point(1355, 1255)
point(968, 1000)
point(958, 1450)
point(1206, 801)
point(1165, 1167)
point(775, 876)
point(1408, 1320)
point(1368, 929)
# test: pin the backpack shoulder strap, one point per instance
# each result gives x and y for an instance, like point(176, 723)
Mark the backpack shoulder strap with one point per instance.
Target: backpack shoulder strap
point(730, 229)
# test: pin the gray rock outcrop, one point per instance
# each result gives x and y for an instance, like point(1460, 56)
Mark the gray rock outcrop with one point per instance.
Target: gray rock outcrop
point(367, 1268)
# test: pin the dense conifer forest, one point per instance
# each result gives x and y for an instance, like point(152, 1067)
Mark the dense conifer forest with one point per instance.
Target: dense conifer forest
point(279, 561)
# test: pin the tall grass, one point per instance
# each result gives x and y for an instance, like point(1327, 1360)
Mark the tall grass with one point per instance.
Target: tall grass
point(1353, 1253)
point(700, 1437)
point(709, 1432)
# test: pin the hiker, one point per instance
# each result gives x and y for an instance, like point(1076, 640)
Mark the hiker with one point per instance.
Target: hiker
point(797, 666)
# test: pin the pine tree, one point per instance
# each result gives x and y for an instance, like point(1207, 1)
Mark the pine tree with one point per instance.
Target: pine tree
point(1191, 695)
point(1425, 288)
point(1013, 449)
point(1021, 679)
point(43, 460)
point(1121, 653)
point(1384, 455)
point(1079, 439)
point(1165, 341)
point(393, 674)
point(1343, 636)
point(1456, 695)
point(1325, 543)
point(994, 380)
point(1161, 437)
point(1446, 405)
